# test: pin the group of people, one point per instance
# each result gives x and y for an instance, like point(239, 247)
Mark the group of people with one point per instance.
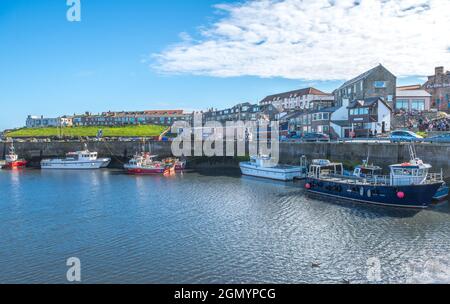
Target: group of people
point(424, 123)
point(438, 125)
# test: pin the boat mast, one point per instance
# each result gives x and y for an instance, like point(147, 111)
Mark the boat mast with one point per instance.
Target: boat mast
point(412, 151)
point(12, 150)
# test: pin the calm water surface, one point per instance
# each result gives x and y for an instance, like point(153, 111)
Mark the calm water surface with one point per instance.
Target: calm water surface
point(195, 228)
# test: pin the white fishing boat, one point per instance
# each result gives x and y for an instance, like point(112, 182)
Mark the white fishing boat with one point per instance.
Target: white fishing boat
point(265, 167)
point(79, 160)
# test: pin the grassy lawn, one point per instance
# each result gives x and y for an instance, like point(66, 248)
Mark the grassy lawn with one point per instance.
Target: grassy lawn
point(127, 131)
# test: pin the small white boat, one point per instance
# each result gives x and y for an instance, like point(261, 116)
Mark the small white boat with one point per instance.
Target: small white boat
point(264, 167)
point(79, 160)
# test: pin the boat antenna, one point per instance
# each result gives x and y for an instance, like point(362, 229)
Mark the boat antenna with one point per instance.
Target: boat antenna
point(368, 156)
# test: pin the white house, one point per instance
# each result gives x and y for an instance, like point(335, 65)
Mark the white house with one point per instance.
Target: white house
point(362, 118)
point(42, 122)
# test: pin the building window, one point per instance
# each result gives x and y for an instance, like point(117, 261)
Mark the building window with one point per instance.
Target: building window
point(418, 104)
point(379, 84)
point(402, 104)
point(359, 111)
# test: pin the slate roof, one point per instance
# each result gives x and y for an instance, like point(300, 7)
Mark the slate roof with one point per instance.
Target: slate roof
point(367, 102)
point(306, 91)
point(412, 93)
point(361, 77)
point(303, 112)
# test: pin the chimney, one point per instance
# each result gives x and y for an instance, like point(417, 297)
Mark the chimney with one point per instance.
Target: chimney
point(439, 71)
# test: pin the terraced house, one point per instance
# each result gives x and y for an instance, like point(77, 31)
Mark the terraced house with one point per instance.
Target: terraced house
point(309, 121)
point(165, 118)
point(298, 99)
point(242, 112)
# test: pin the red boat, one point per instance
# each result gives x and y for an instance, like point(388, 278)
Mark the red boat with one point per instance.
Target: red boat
point(12, 160)
point(179, 165)
point(144, 164)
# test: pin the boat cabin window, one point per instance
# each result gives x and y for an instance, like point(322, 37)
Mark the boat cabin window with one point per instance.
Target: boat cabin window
point(409, 172)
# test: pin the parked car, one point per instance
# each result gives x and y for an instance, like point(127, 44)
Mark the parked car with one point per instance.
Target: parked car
point(405, 136)
point(314, 137)
point(443, 138)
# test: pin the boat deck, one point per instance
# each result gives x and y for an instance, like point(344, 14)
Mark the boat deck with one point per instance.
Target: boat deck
point(371, 181)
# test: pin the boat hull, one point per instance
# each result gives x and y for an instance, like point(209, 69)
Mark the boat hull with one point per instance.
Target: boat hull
point(442, 193)
point(145, 171)
point(414, 196)
point(75, 165)
point(15, 164)
point(180, 166)
point(280, 173)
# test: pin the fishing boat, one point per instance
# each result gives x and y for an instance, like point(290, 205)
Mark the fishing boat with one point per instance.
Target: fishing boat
point(12, 160)
point(369, 171)
point(179, 165)
point(79, 160)
point(409, 185)
point(145, 164)
point(265, 167)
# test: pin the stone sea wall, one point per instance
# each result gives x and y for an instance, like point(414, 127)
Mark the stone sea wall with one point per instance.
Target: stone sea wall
point(382, 154)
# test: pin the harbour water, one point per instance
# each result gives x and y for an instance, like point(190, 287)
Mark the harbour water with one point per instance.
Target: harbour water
point(197, 228)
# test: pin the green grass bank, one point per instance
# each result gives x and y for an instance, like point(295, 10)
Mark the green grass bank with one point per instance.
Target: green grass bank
point(125, 131)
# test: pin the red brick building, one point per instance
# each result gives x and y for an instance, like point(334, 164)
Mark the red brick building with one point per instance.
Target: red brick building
point(438, 86)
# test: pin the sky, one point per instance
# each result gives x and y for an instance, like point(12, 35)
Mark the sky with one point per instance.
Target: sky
point(197, 54)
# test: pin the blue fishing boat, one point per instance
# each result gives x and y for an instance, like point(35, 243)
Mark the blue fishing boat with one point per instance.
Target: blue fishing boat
point(409, 185)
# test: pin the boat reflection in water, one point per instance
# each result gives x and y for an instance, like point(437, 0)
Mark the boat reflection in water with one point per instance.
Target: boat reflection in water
point(409, 184)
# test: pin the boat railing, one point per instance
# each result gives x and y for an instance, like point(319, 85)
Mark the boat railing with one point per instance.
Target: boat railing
point(435, 177)
point(375, 180)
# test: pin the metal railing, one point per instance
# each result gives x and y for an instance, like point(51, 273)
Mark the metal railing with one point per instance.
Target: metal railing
point(379, 180)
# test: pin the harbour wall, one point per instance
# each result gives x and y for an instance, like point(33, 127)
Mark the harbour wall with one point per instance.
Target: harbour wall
point(382, 154)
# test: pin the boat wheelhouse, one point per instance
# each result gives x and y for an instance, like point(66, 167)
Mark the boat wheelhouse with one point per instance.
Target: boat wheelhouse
point(266, 167)
point(416, 172)
point(366, 171)
point(79, 160)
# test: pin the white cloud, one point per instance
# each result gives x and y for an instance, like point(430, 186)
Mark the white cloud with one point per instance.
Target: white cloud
point(316, 39)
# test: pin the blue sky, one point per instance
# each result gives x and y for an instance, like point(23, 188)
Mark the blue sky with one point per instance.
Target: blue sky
point(140, 54)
